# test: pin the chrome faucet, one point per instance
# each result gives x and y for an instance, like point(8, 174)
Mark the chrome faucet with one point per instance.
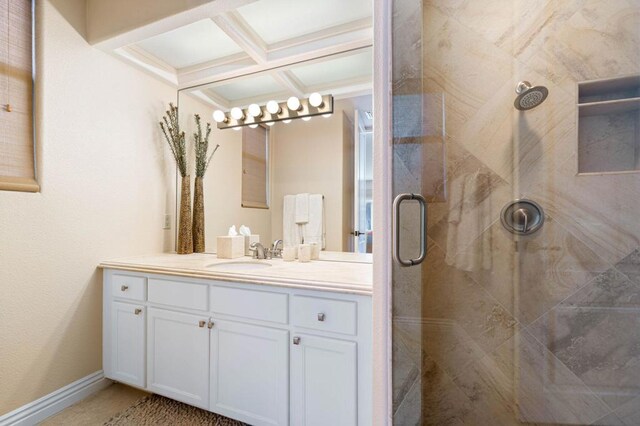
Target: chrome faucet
point(259, 252)
point(276, 248)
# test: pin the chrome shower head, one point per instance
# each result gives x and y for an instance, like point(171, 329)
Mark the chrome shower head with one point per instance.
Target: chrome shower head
point(529, 97)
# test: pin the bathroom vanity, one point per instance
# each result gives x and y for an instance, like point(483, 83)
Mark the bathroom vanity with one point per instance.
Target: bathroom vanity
point(266, 343)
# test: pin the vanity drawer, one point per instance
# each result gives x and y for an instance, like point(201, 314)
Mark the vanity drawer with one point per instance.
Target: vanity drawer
point(128, 287)
point(178, 293)
point(332, 315)
point(251, 304)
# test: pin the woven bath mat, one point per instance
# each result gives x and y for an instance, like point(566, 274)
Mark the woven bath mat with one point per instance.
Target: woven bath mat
point(157, 410)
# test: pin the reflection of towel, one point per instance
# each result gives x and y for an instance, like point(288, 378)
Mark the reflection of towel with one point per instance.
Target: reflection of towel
point(313, 231)
point(290, 229)
point(470, 210)
point(302, 208)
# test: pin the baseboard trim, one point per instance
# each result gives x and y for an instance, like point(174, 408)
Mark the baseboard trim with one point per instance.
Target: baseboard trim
point(38, 410)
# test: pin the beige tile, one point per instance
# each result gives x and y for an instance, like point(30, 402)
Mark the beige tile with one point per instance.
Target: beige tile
point(595, 332)
point(518, 379)
point(98, 408)
point(629, 413)
point(451, 295)
point(530, 274)
point(442, 340)
point(466, 68)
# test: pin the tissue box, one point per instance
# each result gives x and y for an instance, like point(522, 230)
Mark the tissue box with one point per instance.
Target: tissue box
point(230, 247)
point(248, 240)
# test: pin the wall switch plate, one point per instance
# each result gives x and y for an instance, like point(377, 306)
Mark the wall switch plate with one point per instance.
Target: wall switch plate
point(167, 222)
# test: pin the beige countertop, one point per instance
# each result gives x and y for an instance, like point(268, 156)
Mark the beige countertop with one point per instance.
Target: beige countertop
point(343, 273)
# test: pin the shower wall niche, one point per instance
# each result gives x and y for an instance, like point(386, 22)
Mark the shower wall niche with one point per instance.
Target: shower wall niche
point(609, 125)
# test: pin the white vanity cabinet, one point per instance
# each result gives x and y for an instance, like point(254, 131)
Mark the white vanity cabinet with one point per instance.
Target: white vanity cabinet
point(127, 343)
point(324, 386)
point(250, 372)
point(178, 356)
point(261, 354)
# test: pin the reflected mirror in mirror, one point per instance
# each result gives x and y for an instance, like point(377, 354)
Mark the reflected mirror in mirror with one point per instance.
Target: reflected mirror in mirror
point(259, 173)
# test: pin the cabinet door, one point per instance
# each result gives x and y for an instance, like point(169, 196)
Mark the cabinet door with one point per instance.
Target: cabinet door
point(323, 381)
point(178, 356)
point(249, 373)
point(127, 343)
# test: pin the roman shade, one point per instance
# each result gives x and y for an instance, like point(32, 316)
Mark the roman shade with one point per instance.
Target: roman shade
point(17, 167)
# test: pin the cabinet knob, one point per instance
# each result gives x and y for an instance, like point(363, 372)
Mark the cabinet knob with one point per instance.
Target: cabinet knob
point(321, 317)
point(124, 288)
point(210, 324)
point(296, 340)
point(201, 323)
point(137, 311)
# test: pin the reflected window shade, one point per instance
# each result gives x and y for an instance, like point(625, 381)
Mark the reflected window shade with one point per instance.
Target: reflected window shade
point(255, 180)
point(17, 168)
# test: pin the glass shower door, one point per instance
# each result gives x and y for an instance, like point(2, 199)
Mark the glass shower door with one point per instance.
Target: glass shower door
point(525, 313)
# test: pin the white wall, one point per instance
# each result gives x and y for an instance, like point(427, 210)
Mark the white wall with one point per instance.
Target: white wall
point(105, 187)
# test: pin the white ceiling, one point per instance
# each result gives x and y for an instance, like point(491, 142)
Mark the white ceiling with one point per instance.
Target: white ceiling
point(192, 44)
point(279, 20)
point(271, 36)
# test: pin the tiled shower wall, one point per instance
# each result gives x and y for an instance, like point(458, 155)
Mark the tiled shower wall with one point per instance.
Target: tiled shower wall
point(495, 329)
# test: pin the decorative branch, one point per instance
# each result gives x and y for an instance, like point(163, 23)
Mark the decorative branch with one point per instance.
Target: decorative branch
point(175, 138)
point(202, 147)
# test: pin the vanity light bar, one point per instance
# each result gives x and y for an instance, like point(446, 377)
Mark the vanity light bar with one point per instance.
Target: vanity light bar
point(235, 119)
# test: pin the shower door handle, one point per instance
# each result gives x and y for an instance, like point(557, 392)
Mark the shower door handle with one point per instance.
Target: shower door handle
point(396, 229)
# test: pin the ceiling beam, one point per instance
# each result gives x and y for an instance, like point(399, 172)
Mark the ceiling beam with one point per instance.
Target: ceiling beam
point(209, 99)
point(233, 27)
point(147, 63)
point(289, 82)
point(209, 75)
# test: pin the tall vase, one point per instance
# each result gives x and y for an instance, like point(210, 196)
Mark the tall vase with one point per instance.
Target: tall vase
point(198, 216)
point(185, 240)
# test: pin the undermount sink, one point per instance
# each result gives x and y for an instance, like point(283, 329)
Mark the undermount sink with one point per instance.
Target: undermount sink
point(239, 265)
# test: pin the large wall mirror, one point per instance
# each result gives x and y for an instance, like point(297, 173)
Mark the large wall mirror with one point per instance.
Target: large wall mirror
point(256, 168)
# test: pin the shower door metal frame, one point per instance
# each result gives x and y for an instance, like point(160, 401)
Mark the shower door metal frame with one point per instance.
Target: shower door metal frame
point(382, 206)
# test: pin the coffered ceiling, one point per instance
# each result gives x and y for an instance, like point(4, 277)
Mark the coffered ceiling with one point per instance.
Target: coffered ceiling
point(265, 39)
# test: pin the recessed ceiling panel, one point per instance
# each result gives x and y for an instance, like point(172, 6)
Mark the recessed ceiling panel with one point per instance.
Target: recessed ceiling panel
point(247, 88)
point(192, 44)
point(343, 68)
point(279, 20)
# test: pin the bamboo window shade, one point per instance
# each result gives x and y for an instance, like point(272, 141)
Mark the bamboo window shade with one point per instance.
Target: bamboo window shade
point(17, 168)
point(255, 178)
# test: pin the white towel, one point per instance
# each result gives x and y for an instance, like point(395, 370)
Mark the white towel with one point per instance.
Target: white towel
point(290, 229)
point(302, 208)
point(469, 245)
point(313, 231)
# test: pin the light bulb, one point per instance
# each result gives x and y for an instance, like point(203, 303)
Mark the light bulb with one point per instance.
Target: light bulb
point(219, 116)
point(287, 121)
point(237, 113)
point(270, 123)
point(253, 126)
point(236, 128)
point(327, 115)
point(293, 103)
point(273, 107)
point(255, 110)
point(306, 118)
point(315, 100)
